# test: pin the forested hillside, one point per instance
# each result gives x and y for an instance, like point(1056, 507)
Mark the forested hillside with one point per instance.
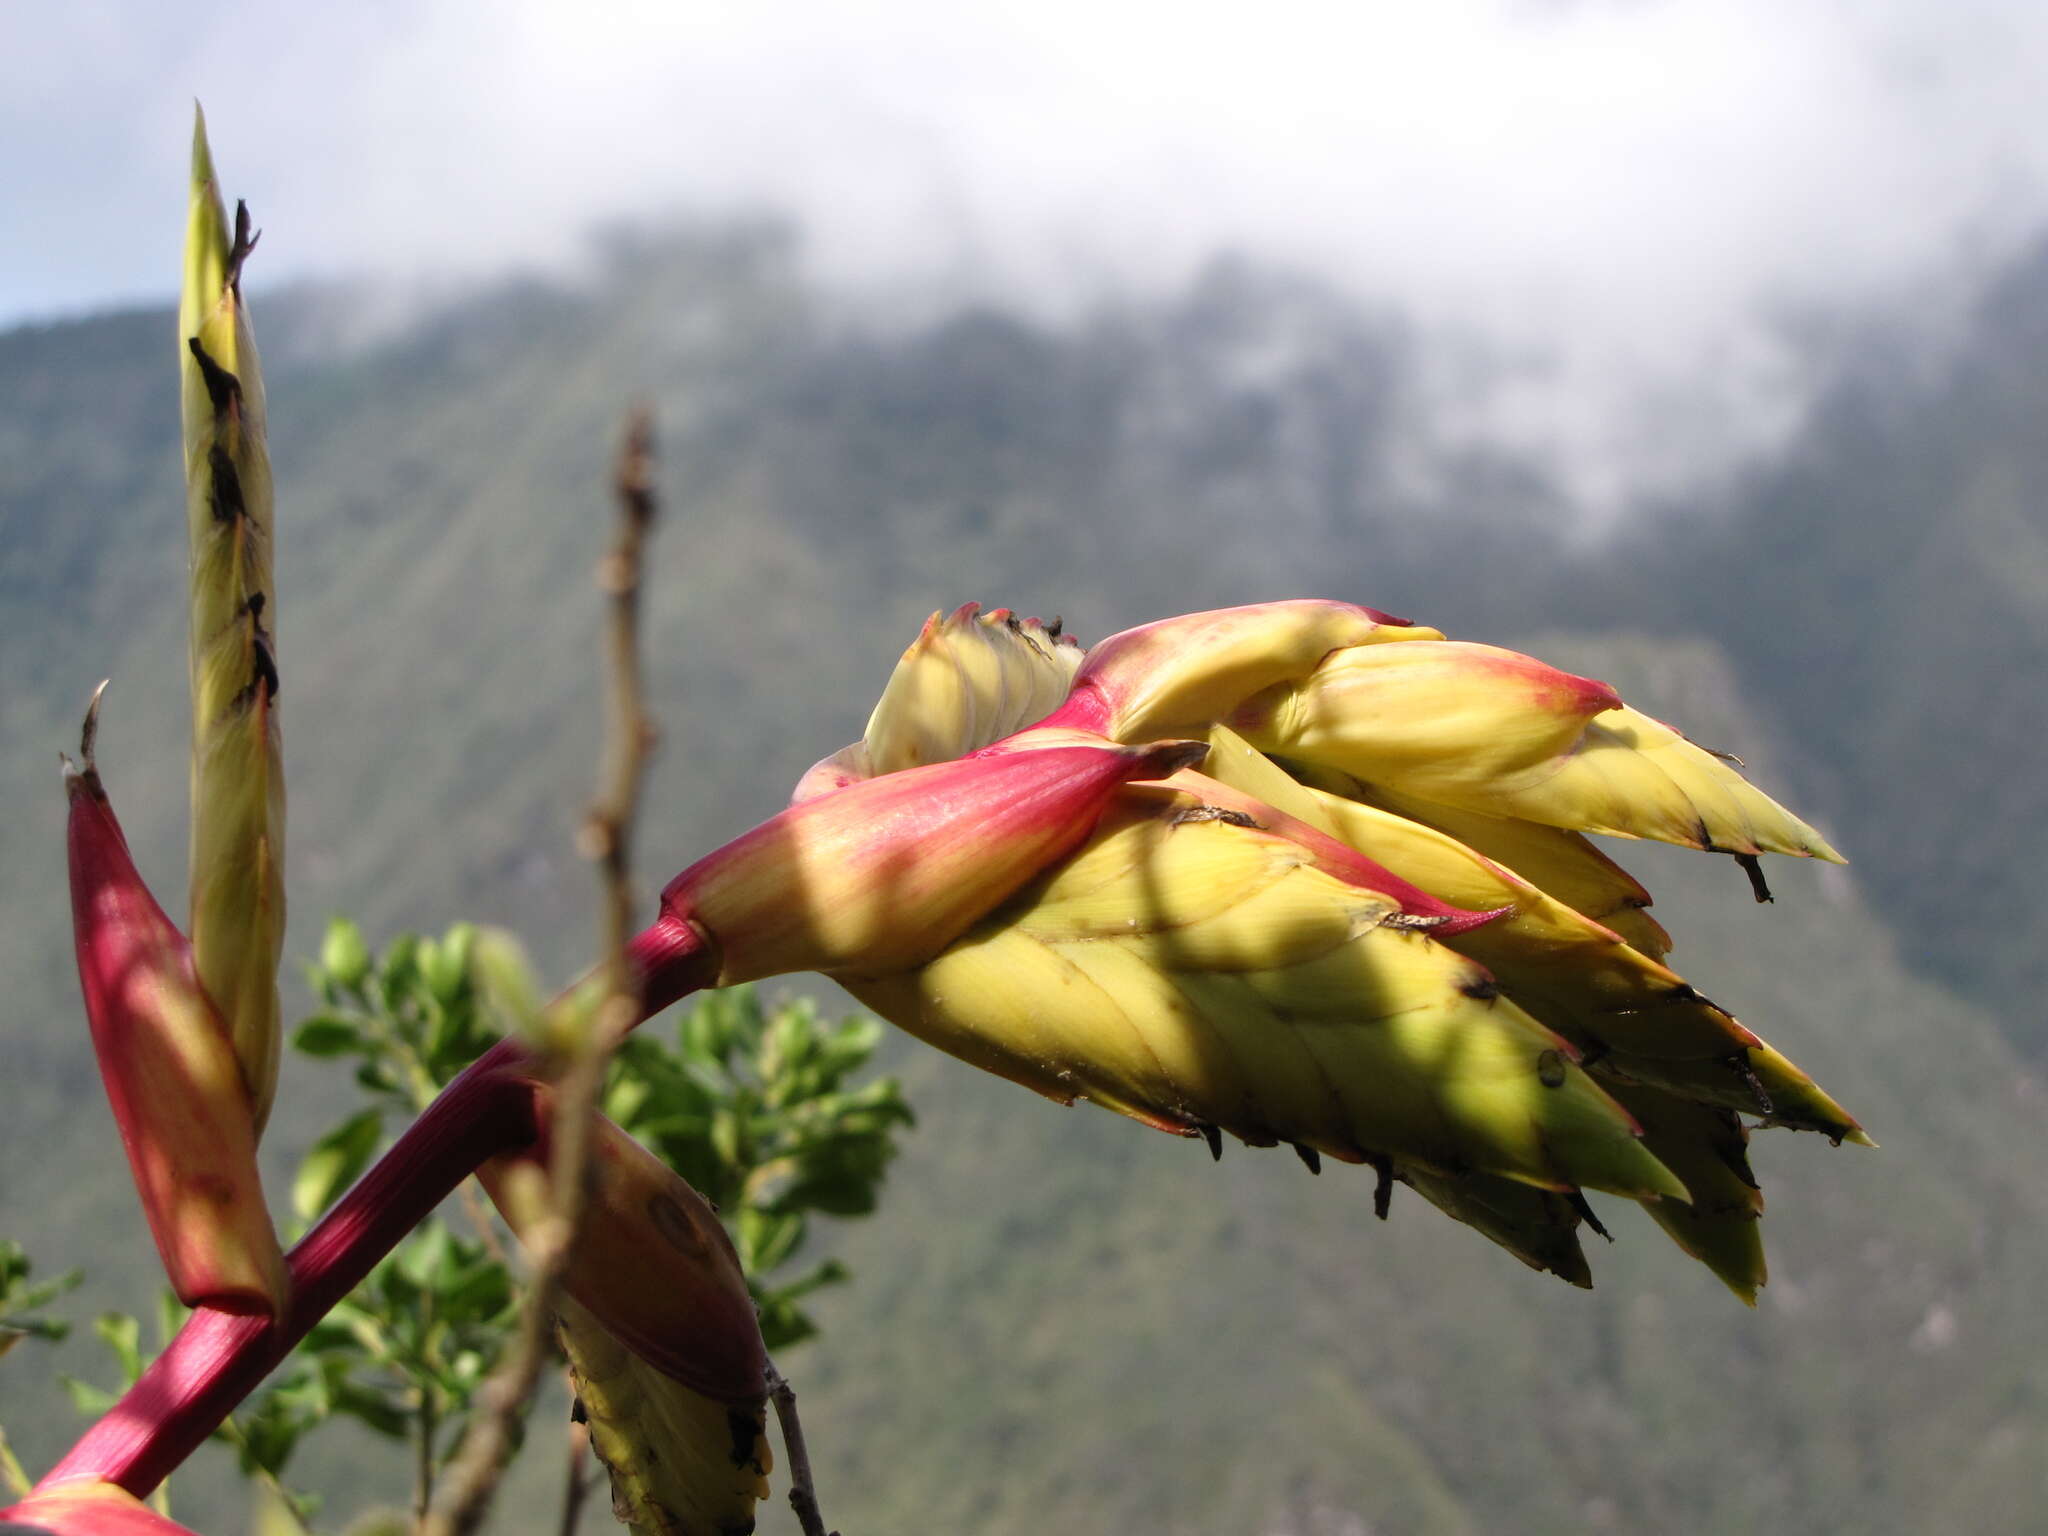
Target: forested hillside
point(1061, 1321)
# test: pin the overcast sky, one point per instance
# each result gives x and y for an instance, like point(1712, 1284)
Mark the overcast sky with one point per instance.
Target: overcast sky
point(1634, 196)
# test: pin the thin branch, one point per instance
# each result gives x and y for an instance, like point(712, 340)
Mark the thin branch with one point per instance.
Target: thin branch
point(608, 832)
point(803, 1493)
point(423, 1455)
point(606, 838)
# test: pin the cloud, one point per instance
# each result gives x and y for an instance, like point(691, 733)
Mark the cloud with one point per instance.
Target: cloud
point(1630, 200)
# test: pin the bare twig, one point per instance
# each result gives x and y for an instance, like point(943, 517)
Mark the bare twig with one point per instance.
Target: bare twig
point(607, 832)
point(606, 838)
point(803, 1493)
point(423, 1436)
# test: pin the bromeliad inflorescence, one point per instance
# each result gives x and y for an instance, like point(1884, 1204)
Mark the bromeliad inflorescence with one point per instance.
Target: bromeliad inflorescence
point(1369, 926)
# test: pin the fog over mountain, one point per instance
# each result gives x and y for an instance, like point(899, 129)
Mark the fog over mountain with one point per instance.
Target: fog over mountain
point(1627, 213)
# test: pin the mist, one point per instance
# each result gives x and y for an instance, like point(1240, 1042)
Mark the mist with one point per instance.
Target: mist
point(1605, 218)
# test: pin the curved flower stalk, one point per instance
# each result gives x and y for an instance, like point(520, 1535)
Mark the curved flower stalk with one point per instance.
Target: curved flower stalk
point(1371, 927)
point(237, 869)
point(178, 1095)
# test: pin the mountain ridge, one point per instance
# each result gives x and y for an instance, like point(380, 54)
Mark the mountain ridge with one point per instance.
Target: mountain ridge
point(1071, 1320)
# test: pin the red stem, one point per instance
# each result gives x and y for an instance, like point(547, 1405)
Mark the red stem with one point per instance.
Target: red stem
point(218, 1358)
point(673, 958)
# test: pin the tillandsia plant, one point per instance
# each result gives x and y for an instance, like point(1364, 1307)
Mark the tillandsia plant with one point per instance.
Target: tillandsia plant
point(1297, 873)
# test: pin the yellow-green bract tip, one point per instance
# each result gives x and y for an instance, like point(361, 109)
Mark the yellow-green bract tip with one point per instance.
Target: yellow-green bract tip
point(202, 153)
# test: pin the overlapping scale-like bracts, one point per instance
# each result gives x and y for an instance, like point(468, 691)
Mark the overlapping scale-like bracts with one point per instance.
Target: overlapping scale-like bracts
point(237, 872)
point(1370, 924)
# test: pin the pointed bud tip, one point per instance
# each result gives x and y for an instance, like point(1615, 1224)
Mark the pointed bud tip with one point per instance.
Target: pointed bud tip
point(1589, 696)
point(83, 777)
point(88, 733)
point(202, 151)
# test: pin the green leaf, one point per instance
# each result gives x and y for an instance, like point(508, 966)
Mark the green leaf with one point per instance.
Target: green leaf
point(170, 1315)
point(428, 1258)
point(623, 1100)
point(368, 1408)
point(19, 1298)
point(725, 1136)
point(441, 1047)
point(783, 1324)
point(335, 1160)
point(123, 1335)
point(505, 981)
point(480, 1293)
point(445, 966)
point(344, 958)
point(828, 1272)
point(767, 1238)
point(88, 1399)
point(328, 1034)
point(395, 979)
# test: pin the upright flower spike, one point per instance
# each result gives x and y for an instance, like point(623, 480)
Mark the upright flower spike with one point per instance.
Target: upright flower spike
point(237, 872)
point(170, 1070)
